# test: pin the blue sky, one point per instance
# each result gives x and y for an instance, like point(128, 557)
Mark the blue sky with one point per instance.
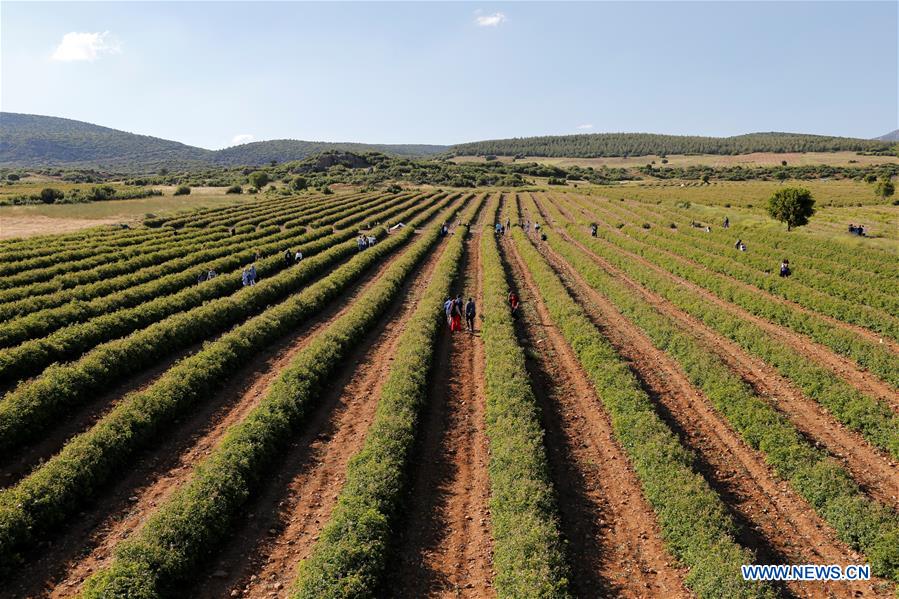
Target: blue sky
point(447, 72)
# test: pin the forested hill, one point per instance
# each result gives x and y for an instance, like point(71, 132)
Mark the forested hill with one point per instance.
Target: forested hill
point(28, 140)
point(641, 144)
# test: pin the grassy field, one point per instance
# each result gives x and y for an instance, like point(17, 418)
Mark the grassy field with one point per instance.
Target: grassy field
point(24, 221)
point(675, 160)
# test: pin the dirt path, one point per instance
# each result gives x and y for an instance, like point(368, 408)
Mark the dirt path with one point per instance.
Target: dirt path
point(87, 545)
point(446, 545)
point(775, 522)
point(614, 543)
point(843, 367)
point(285, 521)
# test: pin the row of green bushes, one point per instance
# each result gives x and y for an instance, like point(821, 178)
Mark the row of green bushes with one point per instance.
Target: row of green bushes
point(48, 496)
point(528, 552)
point(830, 296)
point(350, 556)
point(37, 403)
point(165, 271)
point(30, 357)
point(777, 243)
point(103, 264)
point(871, 417)
point(13, 264)
point(861, 522)
point(51, 195)
point(199, 514)
point(694, 522)
point(869, 290)
point(70, 310)
point(875, 357)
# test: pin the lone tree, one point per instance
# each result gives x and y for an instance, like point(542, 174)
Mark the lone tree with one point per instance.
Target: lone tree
point(258, 179)
point(885, 187)
point(791, 205)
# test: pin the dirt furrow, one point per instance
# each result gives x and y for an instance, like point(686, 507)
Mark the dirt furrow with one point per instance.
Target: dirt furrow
point(843, 367)
point(284, 523)
point(446, 546)
point(88, 544)
point(776, 522)
point(615, 546)
point(871, 468)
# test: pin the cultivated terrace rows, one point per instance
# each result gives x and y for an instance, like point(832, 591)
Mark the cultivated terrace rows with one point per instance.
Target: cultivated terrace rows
point(658, 411)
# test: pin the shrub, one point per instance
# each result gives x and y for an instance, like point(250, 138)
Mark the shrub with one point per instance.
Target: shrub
point(182, 190)
point(50, 195)
point(234, 189)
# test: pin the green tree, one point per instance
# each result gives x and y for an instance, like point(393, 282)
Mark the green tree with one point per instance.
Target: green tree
point(781, 176)
point(791, 205)
point(870, 178)
point(885, 187)
point(12, 177)
point(300, 183)
point(50, 195)
point(258, 179)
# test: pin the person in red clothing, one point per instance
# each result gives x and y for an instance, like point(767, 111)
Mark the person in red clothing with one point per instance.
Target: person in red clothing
point(456, 314)
point(513, 304)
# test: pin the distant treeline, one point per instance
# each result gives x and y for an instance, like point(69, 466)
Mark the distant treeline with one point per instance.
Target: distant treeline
point(596, 145)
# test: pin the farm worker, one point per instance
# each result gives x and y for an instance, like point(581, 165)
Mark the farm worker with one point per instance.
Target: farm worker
point(245, 277)
point(371, 240)
point(508, 224)
point(543, 236)
point(287, 257)
point(726, 222)
point(201, 277)
point(211, 275)
point(593, 230)
point(785, 268)
point(469, 315)
point(443, 230)
point(298, 256)
point(536, 226)
point(738, 244)
point(708, 229)
point(513, 304)
point(251, 274)
point(232, 231)
point(447, 309)
point(456, 314)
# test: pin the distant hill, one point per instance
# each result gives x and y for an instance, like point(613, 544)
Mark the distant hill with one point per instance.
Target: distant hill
point(28, 140)
point(594, 145)
point(891, 136)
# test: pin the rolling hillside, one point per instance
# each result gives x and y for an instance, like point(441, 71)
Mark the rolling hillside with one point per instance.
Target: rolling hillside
point(596, 145)
point(32, 140)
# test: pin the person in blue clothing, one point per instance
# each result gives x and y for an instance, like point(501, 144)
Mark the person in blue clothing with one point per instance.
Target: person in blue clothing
point(251, 274)
point(470, 311)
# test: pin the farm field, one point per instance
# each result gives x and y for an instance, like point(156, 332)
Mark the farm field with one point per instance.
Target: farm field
point(661, 410)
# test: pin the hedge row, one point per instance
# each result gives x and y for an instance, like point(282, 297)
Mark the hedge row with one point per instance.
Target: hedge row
point(861, 522)
point(199, 514)
point(350, 556)
point(528, 554)
point(36, 404)
point(48, 496)
point(694, 522)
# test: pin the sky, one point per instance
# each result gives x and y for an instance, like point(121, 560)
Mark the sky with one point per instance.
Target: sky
point(214, 74)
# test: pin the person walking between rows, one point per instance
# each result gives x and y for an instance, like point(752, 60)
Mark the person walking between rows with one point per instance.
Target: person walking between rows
point(726, 223)
point(469, 315)
point(593, 230)
point(211, 274)
point(298, 257)
point(447, 310)
point(456, 314)
point(287, 257)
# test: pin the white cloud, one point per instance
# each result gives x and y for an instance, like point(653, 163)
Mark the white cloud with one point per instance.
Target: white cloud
point(584, 127)
point(85, 46)
point(489, 20)
point(242, 138)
